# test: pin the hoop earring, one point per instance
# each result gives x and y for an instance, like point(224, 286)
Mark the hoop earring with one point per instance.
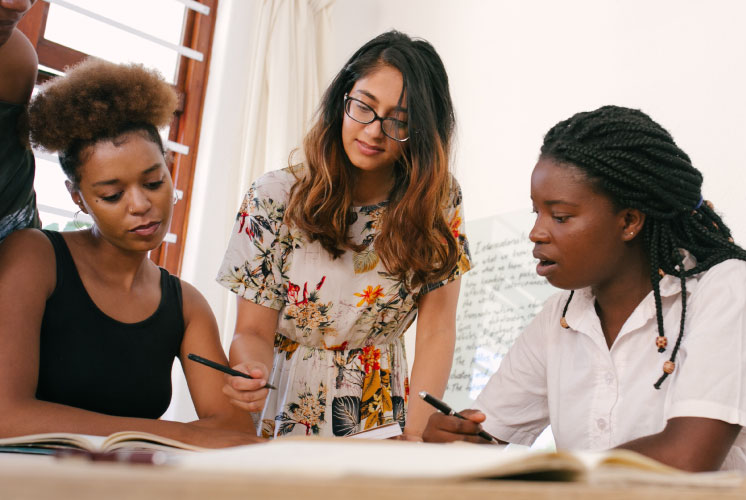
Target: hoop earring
point(77, 223)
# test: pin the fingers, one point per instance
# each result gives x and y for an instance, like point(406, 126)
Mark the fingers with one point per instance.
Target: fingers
point(247, 394)
point(443, 428)
point(255, 369)
point(474, 415)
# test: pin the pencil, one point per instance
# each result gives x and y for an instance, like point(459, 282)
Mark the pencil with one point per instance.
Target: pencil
point(224, 369)
point(445, 409)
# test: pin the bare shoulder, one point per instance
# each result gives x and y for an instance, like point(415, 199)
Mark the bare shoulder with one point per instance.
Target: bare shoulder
point(194, 303)
point(27, 243)
point(18, 66)
point(28, 254)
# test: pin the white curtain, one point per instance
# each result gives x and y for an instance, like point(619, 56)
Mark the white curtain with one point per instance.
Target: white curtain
point(268, 68)
point(286, 83)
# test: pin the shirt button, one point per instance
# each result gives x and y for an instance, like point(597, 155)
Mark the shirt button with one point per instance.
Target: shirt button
point(601, 423)
point(609, 378)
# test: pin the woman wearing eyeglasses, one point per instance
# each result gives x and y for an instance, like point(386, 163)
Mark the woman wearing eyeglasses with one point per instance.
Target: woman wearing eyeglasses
point(333, 258)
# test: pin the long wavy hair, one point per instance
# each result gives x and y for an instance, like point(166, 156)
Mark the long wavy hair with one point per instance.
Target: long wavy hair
point(415, 243)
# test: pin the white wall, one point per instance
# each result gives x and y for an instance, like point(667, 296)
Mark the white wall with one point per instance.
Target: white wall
point(518, 67)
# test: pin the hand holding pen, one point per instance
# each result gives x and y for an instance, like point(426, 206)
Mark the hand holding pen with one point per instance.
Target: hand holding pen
point(247, 389)
point(442, 427)
point(224, 369)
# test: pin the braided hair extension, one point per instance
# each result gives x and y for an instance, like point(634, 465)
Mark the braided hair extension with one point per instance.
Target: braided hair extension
point(638, 165)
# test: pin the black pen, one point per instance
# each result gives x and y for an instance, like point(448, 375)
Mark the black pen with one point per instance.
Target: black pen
point(446, 410)
point(224, 369)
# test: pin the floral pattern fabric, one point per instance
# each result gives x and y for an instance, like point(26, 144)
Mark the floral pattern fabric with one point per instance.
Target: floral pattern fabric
point(339, 364)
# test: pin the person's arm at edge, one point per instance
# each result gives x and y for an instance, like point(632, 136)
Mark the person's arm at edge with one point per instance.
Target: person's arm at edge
point(205, 384)
point(251, 352)
point(18, 67)
point(27, 278)
point(434, 343)
point(689, 443)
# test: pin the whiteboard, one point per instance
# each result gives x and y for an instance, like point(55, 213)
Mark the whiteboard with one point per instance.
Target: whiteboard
point(499, 296)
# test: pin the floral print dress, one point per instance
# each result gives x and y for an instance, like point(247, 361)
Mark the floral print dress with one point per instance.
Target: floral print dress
point(339, 361)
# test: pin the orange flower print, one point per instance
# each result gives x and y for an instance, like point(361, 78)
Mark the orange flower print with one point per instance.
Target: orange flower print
point(284, 344)
point(370, 358)
point(455, 224)
point(336, 347)
point(370, 295)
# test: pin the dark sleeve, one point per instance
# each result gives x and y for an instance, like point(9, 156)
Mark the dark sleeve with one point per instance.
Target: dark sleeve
point(17, 197)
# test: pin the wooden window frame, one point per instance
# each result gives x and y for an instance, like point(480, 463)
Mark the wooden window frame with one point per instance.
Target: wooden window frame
point(191, 85)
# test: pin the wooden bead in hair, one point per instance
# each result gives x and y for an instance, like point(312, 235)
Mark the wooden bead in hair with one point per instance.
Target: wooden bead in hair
point(668, 367)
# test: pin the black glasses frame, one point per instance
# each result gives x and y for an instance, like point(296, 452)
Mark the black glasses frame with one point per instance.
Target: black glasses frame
point(375, 117)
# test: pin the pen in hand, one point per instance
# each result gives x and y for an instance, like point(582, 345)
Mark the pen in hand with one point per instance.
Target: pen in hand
point(446, 410)
point(224, 369)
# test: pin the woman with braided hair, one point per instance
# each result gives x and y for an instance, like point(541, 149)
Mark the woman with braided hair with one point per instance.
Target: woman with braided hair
point(90, 326)
point(622, 227)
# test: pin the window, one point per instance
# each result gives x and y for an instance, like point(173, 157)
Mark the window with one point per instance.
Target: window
point(173, 36)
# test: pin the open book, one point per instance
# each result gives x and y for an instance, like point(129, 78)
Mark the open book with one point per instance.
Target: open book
point(341, 458)
point(137, 440)
point(129, 440)
point(385, 431)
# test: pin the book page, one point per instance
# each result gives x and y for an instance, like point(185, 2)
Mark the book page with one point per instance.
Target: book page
point(338, 458)
point(146, 441)
point(386, 431)
point(57, 440)
point(626, 467)
point(321, 458)
point(119, 440)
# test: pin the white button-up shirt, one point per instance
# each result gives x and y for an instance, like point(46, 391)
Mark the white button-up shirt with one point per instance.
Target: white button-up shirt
point(597, 398)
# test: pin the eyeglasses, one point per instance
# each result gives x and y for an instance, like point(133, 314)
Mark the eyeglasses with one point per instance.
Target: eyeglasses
point(362, 113)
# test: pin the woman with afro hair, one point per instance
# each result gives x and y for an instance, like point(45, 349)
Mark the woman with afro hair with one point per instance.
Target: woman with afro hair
point(91, 326)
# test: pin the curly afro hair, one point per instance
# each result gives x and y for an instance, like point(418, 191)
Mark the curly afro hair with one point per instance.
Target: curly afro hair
point(98, 100)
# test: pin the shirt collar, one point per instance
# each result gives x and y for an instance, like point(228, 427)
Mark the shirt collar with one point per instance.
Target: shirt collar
point(582, 312)
point(671, 285)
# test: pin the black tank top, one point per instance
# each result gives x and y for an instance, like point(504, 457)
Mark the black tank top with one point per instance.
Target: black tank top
point(91, 361)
